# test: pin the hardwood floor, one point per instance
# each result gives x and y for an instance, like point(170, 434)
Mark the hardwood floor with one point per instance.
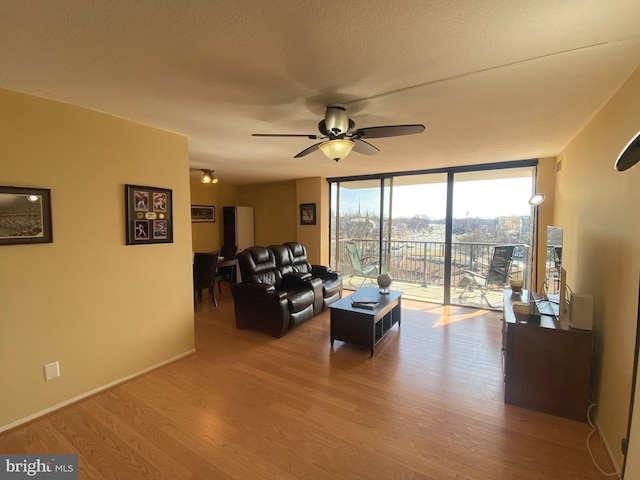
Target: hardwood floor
point(428, 405)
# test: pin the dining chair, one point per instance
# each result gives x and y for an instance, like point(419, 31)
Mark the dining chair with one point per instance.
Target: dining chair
point(205, 267)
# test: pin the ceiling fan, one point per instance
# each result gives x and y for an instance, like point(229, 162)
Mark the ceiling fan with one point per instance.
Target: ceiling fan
point(339, 135)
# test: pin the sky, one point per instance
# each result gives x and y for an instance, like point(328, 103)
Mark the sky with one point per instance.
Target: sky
point(475, 199)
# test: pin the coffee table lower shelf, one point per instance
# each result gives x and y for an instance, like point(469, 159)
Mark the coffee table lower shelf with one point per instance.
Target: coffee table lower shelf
point(361, 326)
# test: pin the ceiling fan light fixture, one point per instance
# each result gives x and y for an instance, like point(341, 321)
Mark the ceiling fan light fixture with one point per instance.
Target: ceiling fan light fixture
point(208, 176)
point(336, 149)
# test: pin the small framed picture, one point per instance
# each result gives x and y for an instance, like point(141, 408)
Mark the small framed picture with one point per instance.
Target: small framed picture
point(25, 215)
point(203, 213)
point(148, 214)
point(307, 214)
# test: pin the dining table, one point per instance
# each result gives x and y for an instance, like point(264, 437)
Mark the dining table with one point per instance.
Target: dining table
point(232, 262)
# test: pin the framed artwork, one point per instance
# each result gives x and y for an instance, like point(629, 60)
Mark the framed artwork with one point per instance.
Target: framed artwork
point(307, 214)
point(148, 214)
point(25, 215)
point(203, 213)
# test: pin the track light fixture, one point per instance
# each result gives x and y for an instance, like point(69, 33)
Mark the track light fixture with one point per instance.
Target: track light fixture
point(208, 176)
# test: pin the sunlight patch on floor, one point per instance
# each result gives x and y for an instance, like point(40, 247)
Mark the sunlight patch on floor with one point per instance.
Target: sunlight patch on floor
point(456, 314)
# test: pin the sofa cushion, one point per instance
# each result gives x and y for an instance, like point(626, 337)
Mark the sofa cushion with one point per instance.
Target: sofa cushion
point(299, 260)
point(299, 299)
point(258, 265)
point(283, 258)
point(331, 287)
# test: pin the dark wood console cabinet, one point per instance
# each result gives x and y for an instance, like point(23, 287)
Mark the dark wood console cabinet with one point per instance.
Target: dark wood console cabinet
point(547, 366)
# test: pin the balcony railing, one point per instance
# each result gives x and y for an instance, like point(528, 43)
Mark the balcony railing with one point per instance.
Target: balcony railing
point(422, 262)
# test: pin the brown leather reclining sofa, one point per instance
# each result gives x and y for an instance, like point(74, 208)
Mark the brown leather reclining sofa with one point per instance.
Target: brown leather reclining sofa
point(281, 289)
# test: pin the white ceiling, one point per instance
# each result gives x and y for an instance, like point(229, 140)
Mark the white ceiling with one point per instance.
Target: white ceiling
point(492, 80)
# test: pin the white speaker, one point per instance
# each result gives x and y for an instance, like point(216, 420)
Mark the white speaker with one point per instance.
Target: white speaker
point(581, 311)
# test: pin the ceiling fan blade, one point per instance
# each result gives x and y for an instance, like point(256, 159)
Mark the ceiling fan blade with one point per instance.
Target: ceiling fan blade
point(364, 147)
point(308, 150)
point(388, 131)
point(310, 137)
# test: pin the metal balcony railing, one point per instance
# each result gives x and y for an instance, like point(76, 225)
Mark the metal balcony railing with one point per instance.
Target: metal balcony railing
point(422, 262)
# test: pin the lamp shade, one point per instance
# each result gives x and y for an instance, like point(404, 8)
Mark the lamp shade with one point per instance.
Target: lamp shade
point(630, 155)
point(537, 199)
point(336, 149)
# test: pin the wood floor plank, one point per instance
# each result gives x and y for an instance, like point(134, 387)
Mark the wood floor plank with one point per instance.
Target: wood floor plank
point(428, 406)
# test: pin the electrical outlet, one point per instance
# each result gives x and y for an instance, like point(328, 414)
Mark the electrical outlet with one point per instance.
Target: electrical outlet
point(51, 371)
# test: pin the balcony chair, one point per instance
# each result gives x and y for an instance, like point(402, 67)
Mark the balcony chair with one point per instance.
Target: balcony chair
point(497, 275)
point(361, 266)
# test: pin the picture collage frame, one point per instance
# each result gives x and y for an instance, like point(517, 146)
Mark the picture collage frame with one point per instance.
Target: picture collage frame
point(149, 215)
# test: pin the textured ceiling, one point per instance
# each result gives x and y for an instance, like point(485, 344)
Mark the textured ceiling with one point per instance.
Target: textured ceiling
point(492, 80)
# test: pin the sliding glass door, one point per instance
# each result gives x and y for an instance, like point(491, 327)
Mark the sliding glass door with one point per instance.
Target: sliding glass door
point(416, 240)
point(357, 223)
point(433, 231)
point(490, 209)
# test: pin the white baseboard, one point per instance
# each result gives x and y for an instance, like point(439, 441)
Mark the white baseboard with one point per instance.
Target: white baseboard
point(17, 423)
point(607, 447)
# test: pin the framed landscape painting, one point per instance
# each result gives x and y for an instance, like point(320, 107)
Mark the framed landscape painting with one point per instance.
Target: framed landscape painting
point(25, 215)
point(148, 213)
point(203, 213)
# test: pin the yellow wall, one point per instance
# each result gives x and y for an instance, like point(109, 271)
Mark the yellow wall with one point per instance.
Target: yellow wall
point(545, 183)
point(315, 238)
point(207, 237)
point(274, 211)
point(104, 310)
point(277, 213)
point(598, 209)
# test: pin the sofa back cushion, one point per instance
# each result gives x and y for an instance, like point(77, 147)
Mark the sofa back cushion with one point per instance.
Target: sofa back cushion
point(299, 260)
point(258, 265)
point(284, 260)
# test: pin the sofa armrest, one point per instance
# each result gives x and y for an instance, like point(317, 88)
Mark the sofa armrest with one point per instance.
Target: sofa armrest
point(257, 290)
point(299, 280)
point(261, 306)
point(295, 280)
point(324, 272)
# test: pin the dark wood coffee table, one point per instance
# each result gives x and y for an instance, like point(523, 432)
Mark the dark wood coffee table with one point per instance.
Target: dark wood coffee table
point(362, 326)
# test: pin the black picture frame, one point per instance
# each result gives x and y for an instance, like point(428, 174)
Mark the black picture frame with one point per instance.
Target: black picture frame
point(307, 214)
point(25, 215)
point(203, 213)
point(148, 214)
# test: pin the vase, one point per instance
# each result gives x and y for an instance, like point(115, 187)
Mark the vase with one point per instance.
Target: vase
point(384, 282)
point(522, 311)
